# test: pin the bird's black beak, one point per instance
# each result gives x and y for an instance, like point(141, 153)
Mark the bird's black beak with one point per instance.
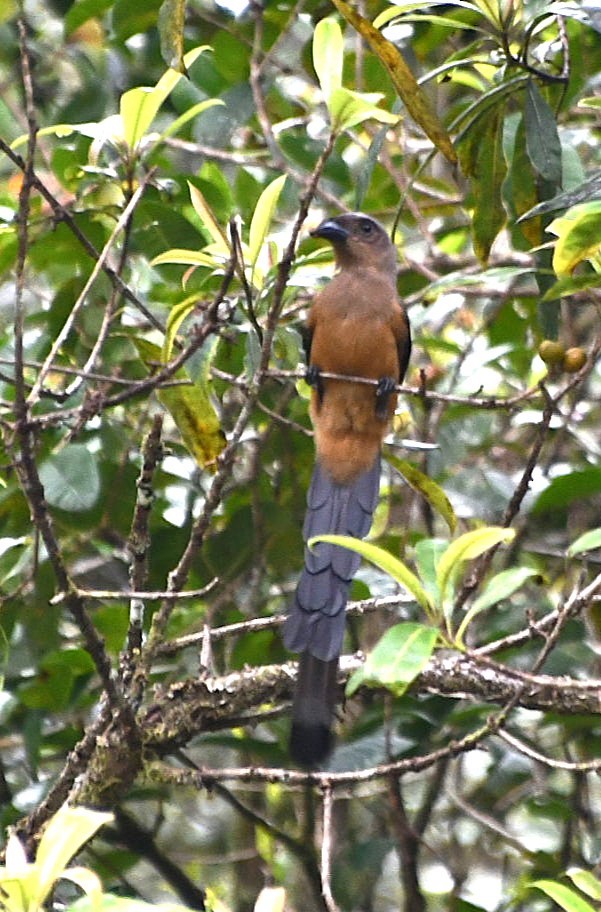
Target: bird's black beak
point(331, 230)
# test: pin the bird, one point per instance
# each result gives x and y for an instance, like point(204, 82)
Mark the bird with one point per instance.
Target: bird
point(356, 327)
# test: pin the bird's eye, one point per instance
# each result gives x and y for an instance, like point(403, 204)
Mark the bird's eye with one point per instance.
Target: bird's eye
point(366, 228)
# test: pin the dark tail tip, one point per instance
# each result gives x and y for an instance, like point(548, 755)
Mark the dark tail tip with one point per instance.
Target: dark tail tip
point(310, 743)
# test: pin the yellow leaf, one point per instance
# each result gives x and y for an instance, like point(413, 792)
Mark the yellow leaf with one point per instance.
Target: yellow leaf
point(403, 79)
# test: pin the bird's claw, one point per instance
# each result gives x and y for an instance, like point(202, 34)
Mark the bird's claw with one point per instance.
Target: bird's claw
point(384, 390)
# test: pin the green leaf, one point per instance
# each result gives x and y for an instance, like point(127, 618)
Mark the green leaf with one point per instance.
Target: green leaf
point(381, 558)
point(186, 258)
point(83, 10)
point(262, 217)
point(397, 659)
point(190, 407)
point(66, 833)
point(586, 882)
point(569, 487)
point(71, 479)
point(589, 541)
point(467, 547)
point(192, 112)
point(542, 138)
point(588, 190)
point(171, 33)
point(578, 236)
point(138, 107)
point(177, 315)
point(414, 99)
point(328, 56)
point(564, 896)
point(207, 217)
point(428, 489)
point(488, 175)
point(500, 587)
point(348, 108)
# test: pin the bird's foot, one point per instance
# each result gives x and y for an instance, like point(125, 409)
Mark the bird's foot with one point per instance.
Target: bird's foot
point(313, 378)
point(384, 390)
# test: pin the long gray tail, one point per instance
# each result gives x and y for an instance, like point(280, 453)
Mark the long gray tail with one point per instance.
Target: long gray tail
point(315, 625)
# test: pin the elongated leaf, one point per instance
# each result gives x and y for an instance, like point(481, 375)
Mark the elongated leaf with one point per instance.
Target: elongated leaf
point(328, 56)
point(71, 479)
point(348, 108)
point(191, 408)
point(588, 190)
point(186, 258)
point(564, 489)
point(587, 542)
point(177, 315)
point(467, 547)
point(585, 881)
point(501, 587)
point(397, 659)
point(403, 79)
point(67, 832)
point(138, 107)
point(262, 217)
point(542, 138)
point(564, 896)
point(524, 188)
point(205, 213)
point(192, 112)
point(171, 33)
point(488, 174)
point(428, 489)
point(381, 558)
point(578, 236)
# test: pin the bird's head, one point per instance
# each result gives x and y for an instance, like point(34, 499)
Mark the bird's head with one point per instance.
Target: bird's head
point(358, 240)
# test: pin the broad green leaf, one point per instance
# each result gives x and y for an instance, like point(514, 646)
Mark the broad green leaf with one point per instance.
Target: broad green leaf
point(191, 408)
point(66, 833)
point(482, 158)
point(138, 107)
point(381, 558)
point(428, 489)
point(328, 56)
point(428, 552)
point(414, 99)
point(262, 217)
point(192, 112)
point(500, 587)
point(564, 896)
point(585, 881)
point(542, 138)
point(71, 479)
point(83, 10)
point(397, 659)
point(348, 108)
point(524, 187)
point(171, 34)
point(586, 542)
point(467, 547)
point(578, 236)
point(564, 489)
point(205, 213)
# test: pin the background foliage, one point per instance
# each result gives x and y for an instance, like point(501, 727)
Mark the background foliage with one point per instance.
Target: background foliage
point(156, 454)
